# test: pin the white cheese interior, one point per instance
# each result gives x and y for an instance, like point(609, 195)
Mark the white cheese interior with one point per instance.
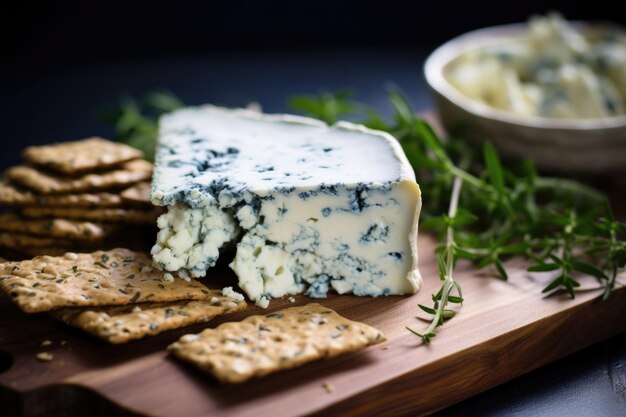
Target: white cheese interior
point(312, 207)
point(190, 238)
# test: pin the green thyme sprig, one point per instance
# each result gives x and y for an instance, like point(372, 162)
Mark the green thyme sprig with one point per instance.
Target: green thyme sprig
point(135, 121)
point(446, 259)
point(562, 227)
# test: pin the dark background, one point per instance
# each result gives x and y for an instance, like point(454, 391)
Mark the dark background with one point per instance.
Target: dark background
point(63, 62)
point(52, 36)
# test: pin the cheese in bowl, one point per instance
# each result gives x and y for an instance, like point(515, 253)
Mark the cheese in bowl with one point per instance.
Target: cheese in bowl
point(550, 91)
point(555, 71)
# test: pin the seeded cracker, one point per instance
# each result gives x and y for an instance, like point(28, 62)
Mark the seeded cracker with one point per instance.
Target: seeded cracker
point(66, 229)
point(14, 252)
point(9, 195)
point(112, 277)
point(20, 240)
point(13, 196)
point(122, 324)
point(260, 345)
point(80, 156)
point(44, 183)
point(137, 194)
point(117, 215)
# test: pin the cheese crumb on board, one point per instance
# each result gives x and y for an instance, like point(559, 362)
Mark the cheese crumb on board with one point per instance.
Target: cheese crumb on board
point(330, 388)
point(229, 292)
point(44, 356)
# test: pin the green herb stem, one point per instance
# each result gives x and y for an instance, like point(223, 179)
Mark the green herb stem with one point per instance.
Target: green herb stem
point(571, 187)
point(448, 282)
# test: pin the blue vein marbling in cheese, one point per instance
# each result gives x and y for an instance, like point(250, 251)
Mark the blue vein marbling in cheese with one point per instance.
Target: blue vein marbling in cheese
point(311, 208)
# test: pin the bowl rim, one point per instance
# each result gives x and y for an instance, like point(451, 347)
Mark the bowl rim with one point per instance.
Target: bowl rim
point(494, 35)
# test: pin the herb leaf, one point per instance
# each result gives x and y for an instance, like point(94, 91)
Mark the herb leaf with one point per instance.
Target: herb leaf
point(494, 168)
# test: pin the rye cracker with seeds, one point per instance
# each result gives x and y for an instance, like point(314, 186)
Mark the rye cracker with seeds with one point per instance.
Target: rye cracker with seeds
point(115, 277)
point(137, 194)
point(259, 345)
point(28, 252)
point(14, 196)
point(10, 195)
point(81, 156)
point(135, 321)
point(41, 182)
point(107, 215)
point(23, 240)
point(72, 230)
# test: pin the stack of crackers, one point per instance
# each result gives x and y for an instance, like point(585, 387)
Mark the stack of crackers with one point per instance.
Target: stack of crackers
point(76, 196)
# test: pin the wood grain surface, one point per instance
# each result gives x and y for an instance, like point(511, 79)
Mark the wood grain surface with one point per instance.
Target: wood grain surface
point(505, 329)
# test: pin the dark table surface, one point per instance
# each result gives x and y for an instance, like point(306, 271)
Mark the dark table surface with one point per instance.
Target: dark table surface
point(65, 105)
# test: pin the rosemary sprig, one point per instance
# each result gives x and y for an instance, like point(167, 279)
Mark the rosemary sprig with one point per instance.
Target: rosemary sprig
point(446, 258)
point(559, 225)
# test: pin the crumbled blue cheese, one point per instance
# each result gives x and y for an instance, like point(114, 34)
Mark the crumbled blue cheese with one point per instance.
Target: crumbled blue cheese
point(312, 208)
point(229, 292)
point(190, 238)
point(262, 302)
point(555, 71)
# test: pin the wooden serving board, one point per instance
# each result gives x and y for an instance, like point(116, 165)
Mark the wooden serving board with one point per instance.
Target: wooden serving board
point(505, 329)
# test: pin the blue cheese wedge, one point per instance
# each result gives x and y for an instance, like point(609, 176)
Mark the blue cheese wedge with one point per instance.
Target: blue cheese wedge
point(311, 208)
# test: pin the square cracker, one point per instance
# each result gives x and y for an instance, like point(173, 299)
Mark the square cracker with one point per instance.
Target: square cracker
point(109, 214)
point(27, 252)
point(72, 230)
point(115, 277)
point(81, 156)
point(137, 194)
point(20, 240)
point(14, 196)
point(135, 321)
point(47, 183)
point(260, 345)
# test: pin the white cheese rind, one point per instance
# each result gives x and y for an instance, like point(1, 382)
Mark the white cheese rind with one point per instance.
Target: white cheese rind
point(319, 208)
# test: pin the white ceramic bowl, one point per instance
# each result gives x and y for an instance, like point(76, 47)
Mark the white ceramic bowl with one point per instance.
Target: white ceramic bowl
point(568, 146)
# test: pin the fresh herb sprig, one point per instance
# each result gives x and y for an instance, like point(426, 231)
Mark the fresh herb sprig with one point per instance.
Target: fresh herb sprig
point(560, 226)
point(446, 259)
point(135, 121)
